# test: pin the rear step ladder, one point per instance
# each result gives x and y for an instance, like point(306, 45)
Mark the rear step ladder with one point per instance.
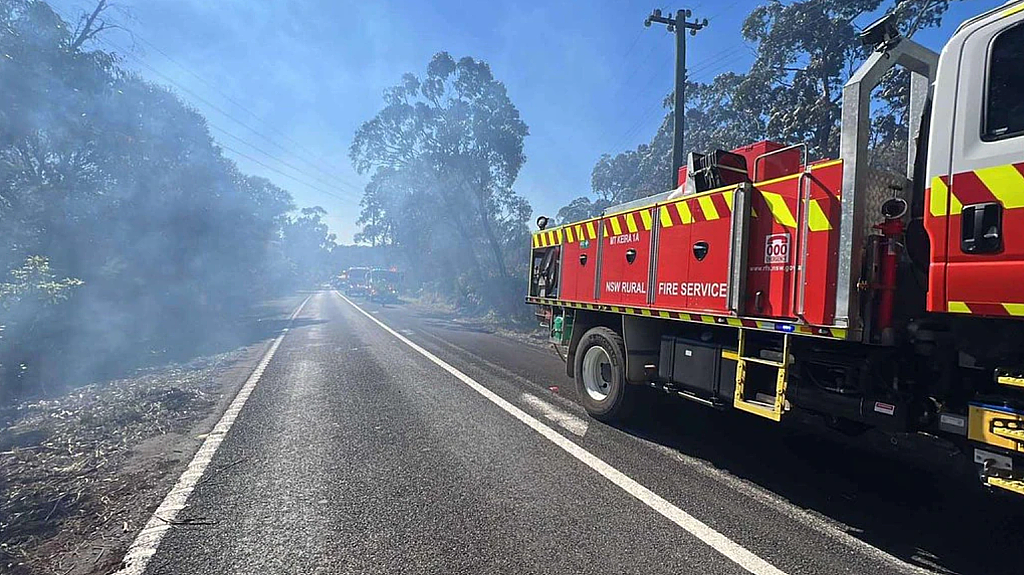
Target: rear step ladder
point(1013, 485)
point(772, 410)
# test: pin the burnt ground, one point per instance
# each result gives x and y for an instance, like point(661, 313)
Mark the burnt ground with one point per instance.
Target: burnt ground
point(82, 471)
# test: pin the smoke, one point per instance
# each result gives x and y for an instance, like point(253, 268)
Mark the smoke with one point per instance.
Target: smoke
point(128, 237)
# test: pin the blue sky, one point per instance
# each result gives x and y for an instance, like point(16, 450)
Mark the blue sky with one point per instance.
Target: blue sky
point(588, 78)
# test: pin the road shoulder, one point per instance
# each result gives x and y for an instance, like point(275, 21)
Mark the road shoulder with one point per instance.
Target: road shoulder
point(89, 467)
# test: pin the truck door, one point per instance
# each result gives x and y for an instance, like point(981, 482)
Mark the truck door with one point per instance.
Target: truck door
point(579, 261)
point(626, 258)
point(985, 204)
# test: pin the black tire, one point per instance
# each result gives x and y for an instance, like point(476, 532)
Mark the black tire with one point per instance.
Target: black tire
point(617, 405)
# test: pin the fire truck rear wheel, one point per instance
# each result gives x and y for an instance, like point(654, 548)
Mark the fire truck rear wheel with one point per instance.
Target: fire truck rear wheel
point(601, 375)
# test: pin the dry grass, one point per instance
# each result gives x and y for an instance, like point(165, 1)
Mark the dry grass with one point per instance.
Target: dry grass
point(63, 477)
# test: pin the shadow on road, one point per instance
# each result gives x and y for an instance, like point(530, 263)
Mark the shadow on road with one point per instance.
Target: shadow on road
point(914, 498)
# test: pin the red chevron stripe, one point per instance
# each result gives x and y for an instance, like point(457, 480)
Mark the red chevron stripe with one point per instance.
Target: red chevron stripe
point(719, 201)
point(969, 189)
point(990, 309)
point(673, 213)
point(695, 211)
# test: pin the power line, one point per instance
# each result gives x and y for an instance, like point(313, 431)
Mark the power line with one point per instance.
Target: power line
point(280, 173)
point(226, 114)
point(724, 9)
point(246, 126)
point(725, 56)
point(276, 159)
point(233, 101)
point(247, 143)
point(632, 45)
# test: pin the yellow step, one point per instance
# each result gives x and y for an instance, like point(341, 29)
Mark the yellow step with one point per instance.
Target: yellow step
point(1010, 380)
point(1008, 429)
point(765, 410)
point(1014, 485)
point(764, 361)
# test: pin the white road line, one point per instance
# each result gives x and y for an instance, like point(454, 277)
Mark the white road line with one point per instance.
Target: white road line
point(570, 422)
point(146, 542)
point(727, 547)
point(826, 527)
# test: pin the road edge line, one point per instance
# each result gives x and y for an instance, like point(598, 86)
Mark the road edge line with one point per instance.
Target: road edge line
point(145, 544)
point(727, 547)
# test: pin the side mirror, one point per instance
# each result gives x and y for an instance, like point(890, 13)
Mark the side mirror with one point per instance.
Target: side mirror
point(894, 208)
point(542, 222)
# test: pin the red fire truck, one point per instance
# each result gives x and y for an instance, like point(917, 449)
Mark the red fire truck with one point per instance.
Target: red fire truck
point(772, 283)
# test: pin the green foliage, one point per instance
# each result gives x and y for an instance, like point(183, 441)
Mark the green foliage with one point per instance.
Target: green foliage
point(581, 209)
point(34, 280)
point(444, 153)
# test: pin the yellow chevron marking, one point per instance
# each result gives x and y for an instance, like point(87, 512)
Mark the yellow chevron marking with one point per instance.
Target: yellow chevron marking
point(535, 240)
point(591, 232)
point(733, 321)
point(957, 307)
point(558, 235)
point(684, 212)
point(707, 319)
point(708, 207)
point(728, 199)
point(616, 228)
point(666, 220)
point(645, 217)
point(1005, 183)
point(664, 314)
point(568, 235)
point(816, 218)
point(630, 223)
point(1012, 11)
point(1016, 309)
point(579, 233)
point(939, 197)
point(780, 211)
point(797, 175)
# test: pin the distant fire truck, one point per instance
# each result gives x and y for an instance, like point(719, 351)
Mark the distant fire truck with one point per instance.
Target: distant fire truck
point(771, 283)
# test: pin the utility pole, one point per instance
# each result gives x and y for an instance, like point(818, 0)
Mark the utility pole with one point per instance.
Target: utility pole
point(680, 25)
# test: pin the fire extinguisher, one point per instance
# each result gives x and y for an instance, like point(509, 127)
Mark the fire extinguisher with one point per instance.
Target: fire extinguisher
point(892, 229)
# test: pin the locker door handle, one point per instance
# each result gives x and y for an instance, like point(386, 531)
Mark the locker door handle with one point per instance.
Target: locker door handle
point(630, 255)
point(981, 227)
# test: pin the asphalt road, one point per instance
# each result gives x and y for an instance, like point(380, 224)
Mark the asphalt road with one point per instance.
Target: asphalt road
point(356, 453)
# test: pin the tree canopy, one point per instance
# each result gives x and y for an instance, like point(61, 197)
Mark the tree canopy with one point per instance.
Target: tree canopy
point(805, 50)
point(444, 153)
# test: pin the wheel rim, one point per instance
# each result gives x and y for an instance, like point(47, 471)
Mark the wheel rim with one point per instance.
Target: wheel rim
point(597, 373)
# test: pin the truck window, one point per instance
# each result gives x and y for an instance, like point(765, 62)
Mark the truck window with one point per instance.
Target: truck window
point(1004, 106)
